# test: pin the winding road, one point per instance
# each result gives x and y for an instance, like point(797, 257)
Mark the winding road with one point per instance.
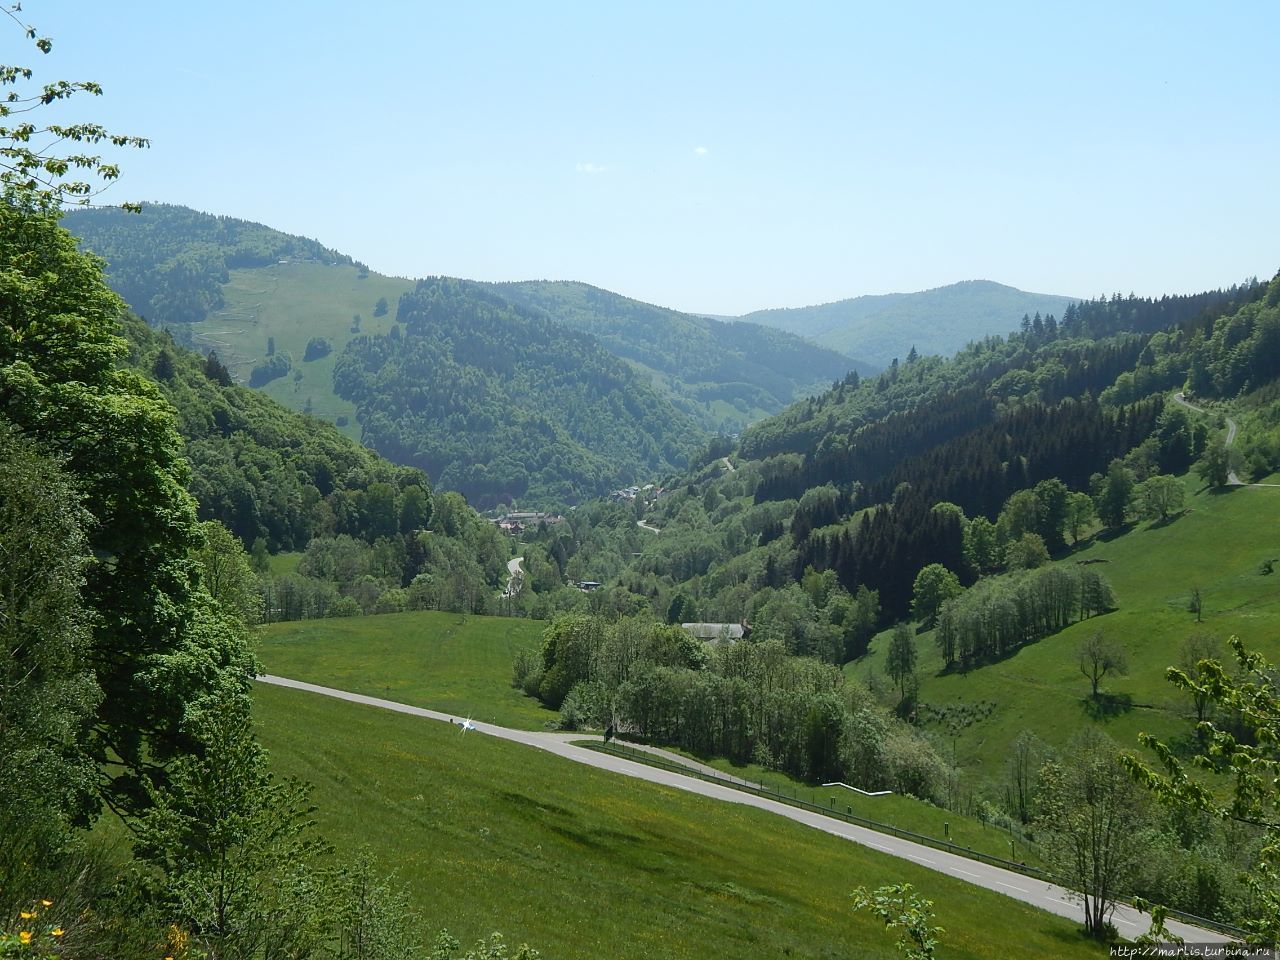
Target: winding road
point(1232, 479)
point(1057, 900)
point(515, 578)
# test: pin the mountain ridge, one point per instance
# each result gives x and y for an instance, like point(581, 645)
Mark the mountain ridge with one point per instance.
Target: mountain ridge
point(940, 320)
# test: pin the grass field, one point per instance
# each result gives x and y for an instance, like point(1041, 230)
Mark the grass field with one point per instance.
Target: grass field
point(462, 665)
point(585, 864)
point(294, 302)
point(1217, 546)
point(283, 563)
point(902, 812)
point(446, 661)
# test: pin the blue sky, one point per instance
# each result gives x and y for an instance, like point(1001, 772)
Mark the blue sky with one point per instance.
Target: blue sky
point(711, 157)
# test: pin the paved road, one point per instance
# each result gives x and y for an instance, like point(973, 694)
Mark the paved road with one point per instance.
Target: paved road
point(1046, 896)
point(683, 761)
point(515, 578)
point(644, 526)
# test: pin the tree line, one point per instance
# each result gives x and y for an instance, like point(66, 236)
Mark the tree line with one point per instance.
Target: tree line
point(749, 701)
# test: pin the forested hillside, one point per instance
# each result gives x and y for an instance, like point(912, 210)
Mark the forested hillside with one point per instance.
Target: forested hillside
point(725, 374)
point(502, 404)
point(847, 485)
point(372, 535)
point(170, 263)
point(940, 321)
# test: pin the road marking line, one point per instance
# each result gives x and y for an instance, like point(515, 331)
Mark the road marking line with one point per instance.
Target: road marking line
point(921, 859)
point(878, 846)
point(1012, 887)
point(965, 872)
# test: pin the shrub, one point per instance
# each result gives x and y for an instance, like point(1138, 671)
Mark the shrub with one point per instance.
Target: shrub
point(317, 347)
point(270, 369)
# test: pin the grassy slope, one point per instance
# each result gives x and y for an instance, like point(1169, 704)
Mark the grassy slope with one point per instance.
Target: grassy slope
point(581, 863)
point(1218, 545)
point(903, 812)
point(294, 302)
point(462, 664)
point(445, 661)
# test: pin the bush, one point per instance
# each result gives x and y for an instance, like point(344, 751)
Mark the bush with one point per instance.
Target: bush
point(317, 347)
point(526, 664)
point(586, 705)
point(270, 369)
point(394, 600)
point(344, 607)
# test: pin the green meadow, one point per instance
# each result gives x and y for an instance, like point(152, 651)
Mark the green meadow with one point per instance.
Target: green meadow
point(896, 810)
point(1218, 546)
point(445, 661)
point(581, 863)
point(462, 664)
point(293, 302)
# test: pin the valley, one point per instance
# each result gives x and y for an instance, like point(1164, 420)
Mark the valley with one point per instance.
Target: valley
point(435, 611)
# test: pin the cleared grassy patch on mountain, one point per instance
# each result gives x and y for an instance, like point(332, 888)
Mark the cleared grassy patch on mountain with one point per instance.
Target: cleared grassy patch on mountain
point(580, 863)
point(1217, 546)
point(293, 303)
point(445, 661)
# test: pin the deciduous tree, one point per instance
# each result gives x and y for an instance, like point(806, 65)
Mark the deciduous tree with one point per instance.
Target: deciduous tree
point(1214, 466)
point(47, 689)
point(900, 663)
point(1080, 513)
point(1091, 818)
point(1159, 496)
point(934, 586)
point(36, 168)
point(1099, 656)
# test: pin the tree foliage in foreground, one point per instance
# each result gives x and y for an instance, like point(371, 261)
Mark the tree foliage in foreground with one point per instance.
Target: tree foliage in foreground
point(1240, 759)
point(903, 910)
point(35, 165)
point(47, 690)
point(154, 632)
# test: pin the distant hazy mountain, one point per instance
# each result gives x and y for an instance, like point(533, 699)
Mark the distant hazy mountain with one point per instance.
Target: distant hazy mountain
point(725, 374)
point(938, 321)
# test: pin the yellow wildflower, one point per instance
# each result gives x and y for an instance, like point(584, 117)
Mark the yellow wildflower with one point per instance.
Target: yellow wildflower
point(27, 916)
point(25, 936)
point(47, 903)
point(56, 932)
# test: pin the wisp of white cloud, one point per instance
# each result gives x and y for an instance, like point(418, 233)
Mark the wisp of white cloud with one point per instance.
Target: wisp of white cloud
point(590, 168)
point(700, 151)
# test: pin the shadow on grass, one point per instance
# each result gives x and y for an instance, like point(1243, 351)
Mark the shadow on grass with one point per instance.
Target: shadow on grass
point(1111, 533)
point(1187, 745)
point(1224, 490)
point(1167, 521)
point(1106, 706)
